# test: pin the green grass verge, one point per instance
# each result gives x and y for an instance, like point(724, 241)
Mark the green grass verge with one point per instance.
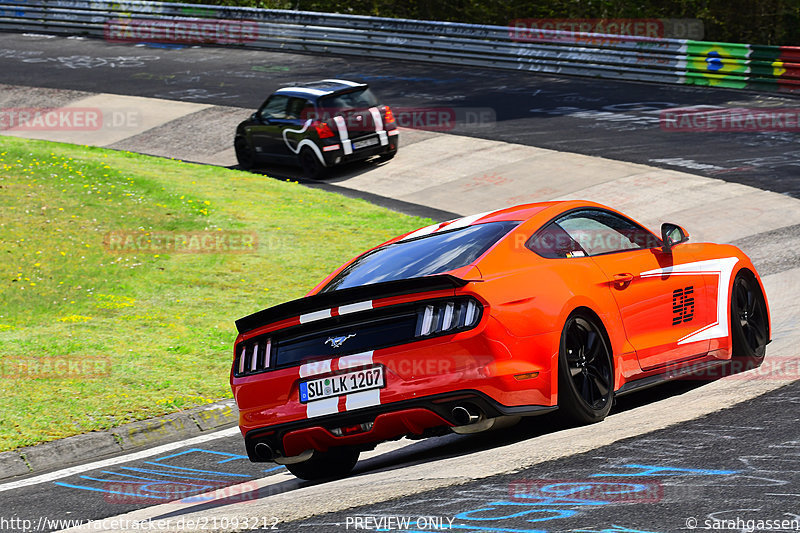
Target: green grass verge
point(156, 326)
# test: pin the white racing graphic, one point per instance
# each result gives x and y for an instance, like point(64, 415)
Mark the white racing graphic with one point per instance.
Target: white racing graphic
point(347, 144)
point(341, 310)
point(304, 142)
point(724, 268)
point(378, 121)
point(450, 224)
point(341, 127)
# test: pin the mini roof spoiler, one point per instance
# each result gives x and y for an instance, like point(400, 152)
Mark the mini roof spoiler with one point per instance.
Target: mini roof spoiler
point(328, 300)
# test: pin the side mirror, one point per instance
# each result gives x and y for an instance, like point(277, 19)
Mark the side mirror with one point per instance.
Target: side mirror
point(672, 234)
point(259, 117)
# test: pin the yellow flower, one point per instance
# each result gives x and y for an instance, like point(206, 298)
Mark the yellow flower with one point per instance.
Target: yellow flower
point(75, 318)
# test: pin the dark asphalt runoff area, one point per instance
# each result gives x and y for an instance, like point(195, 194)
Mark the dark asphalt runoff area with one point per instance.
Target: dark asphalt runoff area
point(617, 120)
point(757, 443)
point(736, 470)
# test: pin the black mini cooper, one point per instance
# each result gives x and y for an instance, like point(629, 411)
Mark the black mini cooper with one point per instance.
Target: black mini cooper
point(318, 125)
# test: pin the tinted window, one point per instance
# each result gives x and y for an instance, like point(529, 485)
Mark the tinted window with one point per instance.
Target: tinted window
point(360, 99)
point(553, 242)
point(433, 254)
point(601, 232)
point(275, 107)
point(298, 108)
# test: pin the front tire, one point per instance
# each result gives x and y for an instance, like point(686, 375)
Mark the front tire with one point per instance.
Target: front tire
point(335, 463)
point(585, 370)
point(244, 154)
point(749, 322)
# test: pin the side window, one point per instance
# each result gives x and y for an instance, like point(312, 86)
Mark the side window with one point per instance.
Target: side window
point(601, 232)
point(275, 107)
point(553, 242)
point(299, 108)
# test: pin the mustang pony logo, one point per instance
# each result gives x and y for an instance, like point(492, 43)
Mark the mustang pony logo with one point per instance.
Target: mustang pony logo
point(338, 341)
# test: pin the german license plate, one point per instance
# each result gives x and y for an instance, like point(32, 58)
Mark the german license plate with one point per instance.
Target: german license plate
point(359, 380)
point(366, 142)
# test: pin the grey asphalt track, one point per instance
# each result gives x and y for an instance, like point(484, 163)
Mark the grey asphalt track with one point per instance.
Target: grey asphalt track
point(617, 120)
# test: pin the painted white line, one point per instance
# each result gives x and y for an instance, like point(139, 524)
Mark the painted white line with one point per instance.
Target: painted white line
point(58, 474)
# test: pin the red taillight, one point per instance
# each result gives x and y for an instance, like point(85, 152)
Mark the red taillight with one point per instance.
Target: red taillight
point(388, 117)
point(323, 130)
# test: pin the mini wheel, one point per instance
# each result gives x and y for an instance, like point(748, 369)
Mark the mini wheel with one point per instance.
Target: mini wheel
point(244, 154)
point(312, 166)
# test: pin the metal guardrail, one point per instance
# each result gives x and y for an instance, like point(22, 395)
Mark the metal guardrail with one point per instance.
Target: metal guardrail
point(679, 61)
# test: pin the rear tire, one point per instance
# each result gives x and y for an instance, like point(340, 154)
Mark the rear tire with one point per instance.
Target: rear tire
point(312, 166)
point(386, 157)
point(336, 462)
point(749, 323)
point(585, 370)
point(244, 154)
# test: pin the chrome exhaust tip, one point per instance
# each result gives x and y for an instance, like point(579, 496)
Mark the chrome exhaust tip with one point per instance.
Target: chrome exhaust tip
point(465, 415)
point(263, 451)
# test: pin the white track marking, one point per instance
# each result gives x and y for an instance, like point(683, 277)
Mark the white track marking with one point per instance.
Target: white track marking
point(66, 472)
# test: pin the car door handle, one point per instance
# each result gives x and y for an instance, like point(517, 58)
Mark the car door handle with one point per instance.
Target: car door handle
point(625, 277)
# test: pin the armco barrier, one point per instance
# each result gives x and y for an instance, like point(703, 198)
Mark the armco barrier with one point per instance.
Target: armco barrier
point(680, 61)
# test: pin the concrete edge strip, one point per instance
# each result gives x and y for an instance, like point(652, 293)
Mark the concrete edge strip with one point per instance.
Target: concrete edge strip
point(128, 437)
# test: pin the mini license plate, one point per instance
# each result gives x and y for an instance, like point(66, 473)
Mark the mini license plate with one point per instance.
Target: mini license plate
point(366, 142)
point(359, 380)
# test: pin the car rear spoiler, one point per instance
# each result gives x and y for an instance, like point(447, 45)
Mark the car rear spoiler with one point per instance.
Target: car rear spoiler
point(328, 300)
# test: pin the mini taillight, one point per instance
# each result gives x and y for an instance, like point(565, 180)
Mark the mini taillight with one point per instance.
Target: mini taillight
point(323, 130)
point(388, 117)
point(448, 316)
point(252, 356)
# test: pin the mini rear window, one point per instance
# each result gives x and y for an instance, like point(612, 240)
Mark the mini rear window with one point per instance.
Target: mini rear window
point(358, 99)
point(425, 256)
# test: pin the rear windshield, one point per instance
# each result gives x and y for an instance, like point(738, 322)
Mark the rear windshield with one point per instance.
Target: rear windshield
point(432, 254)
point(358, 99)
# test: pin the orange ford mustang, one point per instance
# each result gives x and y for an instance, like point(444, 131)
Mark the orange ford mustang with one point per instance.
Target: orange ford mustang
point(472, 323)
